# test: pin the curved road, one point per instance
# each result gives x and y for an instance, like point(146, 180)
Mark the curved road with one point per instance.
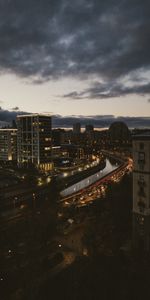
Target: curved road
point(98, 188)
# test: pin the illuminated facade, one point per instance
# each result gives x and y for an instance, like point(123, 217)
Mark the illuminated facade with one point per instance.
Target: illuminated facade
point(34, 141)
point(8, 144)
point(141, 192)
point(72, 151)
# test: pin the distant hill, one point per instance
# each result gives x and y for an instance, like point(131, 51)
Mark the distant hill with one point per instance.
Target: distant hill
point(4, 123)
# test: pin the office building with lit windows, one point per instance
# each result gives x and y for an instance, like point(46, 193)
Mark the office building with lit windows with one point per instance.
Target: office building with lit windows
point(141, 192)
point(8, 144)
point(34, 141)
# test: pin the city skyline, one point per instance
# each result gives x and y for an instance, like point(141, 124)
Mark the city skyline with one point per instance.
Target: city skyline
point(83, 59)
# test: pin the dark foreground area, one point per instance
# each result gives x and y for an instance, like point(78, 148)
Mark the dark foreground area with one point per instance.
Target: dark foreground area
point(101, 277)
point(41, 260)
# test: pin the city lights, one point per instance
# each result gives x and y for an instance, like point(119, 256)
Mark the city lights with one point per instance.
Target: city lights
point(74, 150)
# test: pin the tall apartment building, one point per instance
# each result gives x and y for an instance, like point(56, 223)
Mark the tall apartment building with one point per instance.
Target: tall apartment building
point(8, 144)
point(76, 128)
point(34, 141)
point(141, 192)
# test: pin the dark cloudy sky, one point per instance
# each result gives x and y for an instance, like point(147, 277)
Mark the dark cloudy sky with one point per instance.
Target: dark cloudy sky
point(75, 57)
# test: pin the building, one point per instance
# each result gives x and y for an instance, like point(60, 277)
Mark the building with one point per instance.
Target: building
point(119, 134)
point(141, 192)
point(8, 144)
point(89, 127)
point(77, 128)
point(72, 151)
point(34, 141)
point(56, 151)
point(58, 136)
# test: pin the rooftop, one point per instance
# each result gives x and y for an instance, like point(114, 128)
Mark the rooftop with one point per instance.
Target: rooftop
point(34, 115)
point(143, 136)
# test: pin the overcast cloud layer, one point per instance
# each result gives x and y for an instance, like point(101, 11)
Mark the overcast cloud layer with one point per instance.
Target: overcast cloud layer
point(58, 121)
point(107, 39)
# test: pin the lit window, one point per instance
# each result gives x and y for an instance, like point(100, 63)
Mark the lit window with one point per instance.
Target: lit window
point(141, 220)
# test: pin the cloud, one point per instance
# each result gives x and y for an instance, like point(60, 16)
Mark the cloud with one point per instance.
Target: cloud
point(16, 108)
point(109, 90)
point(47, 39)
point(99, 121)
point(9, 115)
